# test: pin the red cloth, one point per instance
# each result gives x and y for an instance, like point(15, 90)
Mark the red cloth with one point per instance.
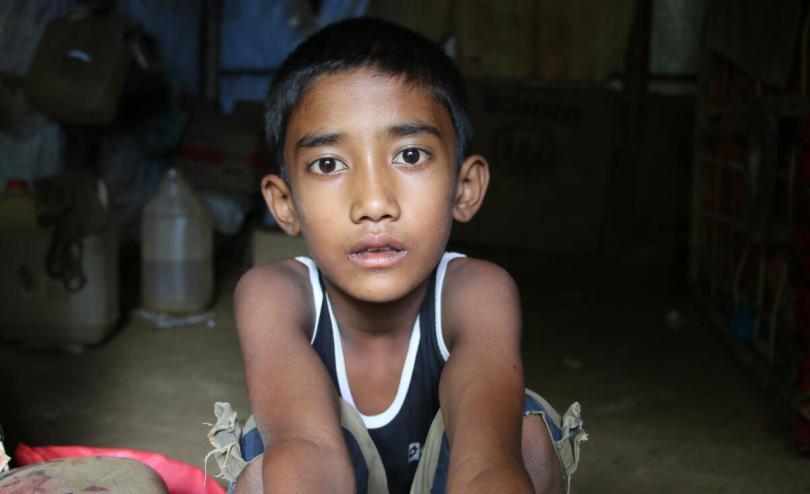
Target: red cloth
point(180, 478)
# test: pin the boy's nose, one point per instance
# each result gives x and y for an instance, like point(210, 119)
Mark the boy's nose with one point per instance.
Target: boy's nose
point(374, 197)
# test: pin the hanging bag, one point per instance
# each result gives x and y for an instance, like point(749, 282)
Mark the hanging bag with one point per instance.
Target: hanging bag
point(79, 69)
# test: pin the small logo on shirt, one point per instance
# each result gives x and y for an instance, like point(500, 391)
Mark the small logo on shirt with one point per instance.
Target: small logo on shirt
point(414, 452)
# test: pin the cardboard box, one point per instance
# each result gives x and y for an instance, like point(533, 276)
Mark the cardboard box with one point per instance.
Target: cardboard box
point(550, 149)
point(225, 153)
point(273, 245)
point(542, 39)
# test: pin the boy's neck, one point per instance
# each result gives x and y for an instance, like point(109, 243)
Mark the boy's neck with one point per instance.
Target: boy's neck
point(361, 321)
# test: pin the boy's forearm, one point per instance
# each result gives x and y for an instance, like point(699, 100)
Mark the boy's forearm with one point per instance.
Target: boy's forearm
point(476, 477)
point(298, 465)
point(483, 423)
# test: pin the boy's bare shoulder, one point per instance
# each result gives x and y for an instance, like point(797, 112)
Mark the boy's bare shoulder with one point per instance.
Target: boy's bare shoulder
point(275, 289)
point(286, 275)
point(468, 274)
point(474, 286)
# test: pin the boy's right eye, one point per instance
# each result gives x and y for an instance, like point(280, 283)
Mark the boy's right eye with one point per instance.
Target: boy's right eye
point(326, 166)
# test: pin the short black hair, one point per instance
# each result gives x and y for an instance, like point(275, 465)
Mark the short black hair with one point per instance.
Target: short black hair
point(365, 42)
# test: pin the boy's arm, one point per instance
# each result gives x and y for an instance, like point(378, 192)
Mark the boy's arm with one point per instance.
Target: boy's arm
point(481, 389)
point(291, 395)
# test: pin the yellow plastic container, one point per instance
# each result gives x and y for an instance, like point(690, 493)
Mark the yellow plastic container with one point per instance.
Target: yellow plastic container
point(177, 271)
point(18, 207)
point(37, 308)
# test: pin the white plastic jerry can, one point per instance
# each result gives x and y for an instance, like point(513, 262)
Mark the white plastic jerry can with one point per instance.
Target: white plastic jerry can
point(177, 271)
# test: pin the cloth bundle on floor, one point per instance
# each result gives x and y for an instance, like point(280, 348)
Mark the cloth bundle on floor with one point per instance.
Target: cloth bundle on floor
point(179, 477)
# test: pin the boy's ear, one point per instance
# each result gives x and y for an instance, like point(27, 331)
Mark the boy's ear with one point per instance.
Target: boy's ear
point(471, 187)
point(278, 197)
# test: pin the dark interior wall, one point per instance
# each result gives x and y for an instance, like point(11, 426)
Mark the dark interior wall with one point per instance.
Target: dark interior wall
point(647, 209)
point(590, 158)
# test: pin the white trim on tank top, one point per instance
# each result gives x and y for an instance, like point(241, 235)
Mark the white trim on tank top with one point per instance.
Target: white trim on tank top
point(441, 271)
point(317, 293)
point(386, 416)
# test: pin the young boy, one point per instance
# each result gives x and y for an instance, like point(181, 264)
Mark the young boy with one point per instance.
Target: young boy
point(352, 356)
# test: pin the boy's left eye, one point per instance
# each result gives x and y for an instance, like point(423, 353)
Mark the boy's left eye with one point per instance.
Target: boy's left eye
point(411, 156)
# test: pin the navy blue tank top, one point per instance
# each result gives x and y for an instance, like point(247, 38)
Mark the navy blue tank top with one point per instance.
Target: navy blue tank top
point(399, 432)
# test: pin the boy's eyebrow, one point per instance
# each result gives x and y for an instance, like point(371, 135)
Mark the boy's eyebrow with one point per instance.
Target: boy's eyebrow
point(400, 130)
point(316, 140)
point(415, 128)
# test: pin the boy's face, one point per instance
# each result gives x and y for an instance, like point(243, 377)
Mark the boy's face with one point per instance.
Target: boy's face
point(373, 182)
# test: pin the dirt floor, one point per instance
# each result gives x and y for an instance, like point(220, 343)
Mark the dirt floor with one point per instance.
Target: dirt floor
point(667, 407)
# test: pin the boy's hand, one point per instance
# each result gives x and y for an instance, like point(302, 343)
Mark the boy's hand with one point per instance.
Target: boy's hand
point(481, 390)
point(291, 395)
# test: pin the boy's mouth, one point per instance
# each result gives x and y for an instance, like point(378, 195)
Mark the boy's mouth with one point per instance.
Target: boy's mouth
point(377, 251)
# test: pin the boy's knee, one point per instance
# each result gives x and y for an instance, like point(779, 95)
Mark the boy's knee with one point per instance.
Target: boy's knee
point(540, 457)
point(561, 434)
point(250, 479)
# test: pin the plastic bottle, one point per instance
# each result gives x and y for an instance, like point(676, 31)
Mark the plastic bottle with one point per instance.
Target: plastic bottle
point(176, 249)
